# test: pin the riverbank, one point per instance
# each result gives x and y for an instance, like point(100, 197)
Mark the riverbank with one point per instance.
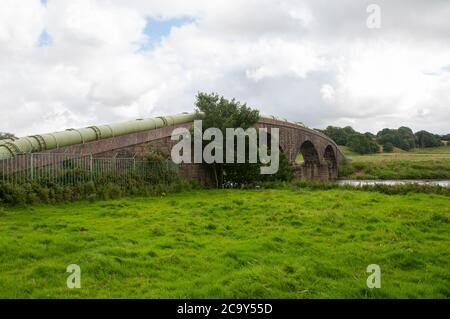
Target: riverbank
point(432, 163)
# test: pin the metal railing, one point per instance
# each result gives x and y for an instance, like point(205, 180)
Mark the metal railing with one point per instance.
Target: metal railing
point(70, 169)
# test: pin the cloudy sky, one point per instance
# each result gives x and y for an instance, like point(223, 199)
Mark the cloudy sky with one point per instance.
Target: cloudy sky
point(70, 64)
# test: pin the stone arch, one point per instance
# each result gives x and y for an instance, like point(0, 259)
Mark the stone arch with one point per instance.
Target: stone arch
point(331, 162)
point(329, 155)
point(310, 164)
point(309, 153)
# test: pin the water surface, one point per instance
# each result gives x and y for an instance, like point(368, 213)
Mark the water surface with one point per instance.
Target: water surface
point(355, 182)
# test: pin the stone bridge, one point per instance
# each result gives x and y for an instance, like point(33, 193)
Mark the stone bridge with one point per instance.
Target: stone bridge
point(320, 154)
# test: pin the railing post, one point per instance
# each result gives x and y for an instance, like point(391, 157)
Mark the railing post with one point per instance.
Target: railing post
point(91, 170)
point(31, 166)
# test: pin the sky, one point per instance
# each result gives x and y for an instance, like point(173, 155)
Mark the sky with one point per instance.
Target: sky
point(68, 64)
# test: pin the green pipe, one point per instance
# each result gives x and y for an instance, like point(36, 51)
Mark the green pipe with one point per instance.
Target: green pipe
point(43, 142)
point(49, 141)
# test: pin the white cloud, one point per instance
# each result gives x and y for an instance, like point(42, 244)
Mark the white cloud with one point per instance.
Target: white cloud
point(328, 94)
point(313, 61)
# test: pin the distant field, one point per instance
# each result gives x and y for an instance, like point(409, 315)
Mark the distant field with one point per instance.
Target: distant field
point(230, 243)
point(428, 163)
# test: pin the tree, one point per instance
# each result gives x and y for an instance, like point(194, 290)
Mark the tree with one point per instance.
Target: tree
point(362, 144)
point(347, 136)
point(338, 134)
point(222, 114)
point(427, 139)
point(4, 136)
point(446, 137)
point(388, 147)
point(370, 135)
point(402, 138)
point(349, 130)
point(407, 136)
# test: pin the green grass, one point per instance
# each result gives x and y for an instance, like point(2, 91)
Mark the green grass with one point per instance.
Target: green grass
point(428, 163)
point(280, 243)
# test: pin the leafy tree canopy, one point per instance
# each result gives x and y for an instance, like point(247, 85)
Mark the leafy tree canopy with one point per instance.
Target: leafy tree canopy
point(402, 138)
point(445, 137)
point(222, 113)
point(357, 142)
point(388, 147)
point(427, 139)
point(361, 144)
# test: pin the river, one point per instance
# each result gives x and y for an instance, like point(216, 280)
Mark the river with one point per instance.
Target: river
point(355, 182)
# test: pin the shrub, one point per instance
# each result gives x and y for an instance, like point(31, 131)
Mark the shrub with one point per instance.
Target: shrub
point(110, 191)
point(12, 194)
point(49, 192)
point(89, 188)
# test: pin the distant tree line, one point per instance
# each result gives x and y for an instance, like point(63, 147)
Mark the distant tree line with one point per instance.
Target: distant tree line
point(357, 142)
point(367, 143)
point(446, 137)
point(5, 136)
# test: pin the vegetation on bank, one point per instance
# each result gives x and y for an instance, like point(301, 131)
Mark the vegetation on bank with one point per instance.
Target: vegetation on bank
point(30, 194)
point(429, 163)
point(398, 189)
point(278, 243)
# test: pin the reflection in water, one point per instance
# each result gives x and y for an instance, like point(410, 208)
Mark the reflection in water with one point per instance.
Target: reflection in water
point(354, 182)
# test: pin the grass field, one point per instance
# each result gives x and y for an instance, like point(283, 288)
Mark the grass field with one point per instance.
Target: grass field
point(428, 163)
point(230, 243)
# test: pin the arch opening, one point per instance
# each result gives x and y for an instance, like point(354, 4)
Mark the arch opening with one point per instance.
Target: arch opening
point(329, 156)
point(308, 154)
point(307, 161)
point(330, 159)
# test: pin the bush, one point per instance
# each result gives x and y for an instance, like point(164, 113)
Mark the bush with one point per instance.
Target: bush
point(12, 194)
point(48, 193)
point(110, 191)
